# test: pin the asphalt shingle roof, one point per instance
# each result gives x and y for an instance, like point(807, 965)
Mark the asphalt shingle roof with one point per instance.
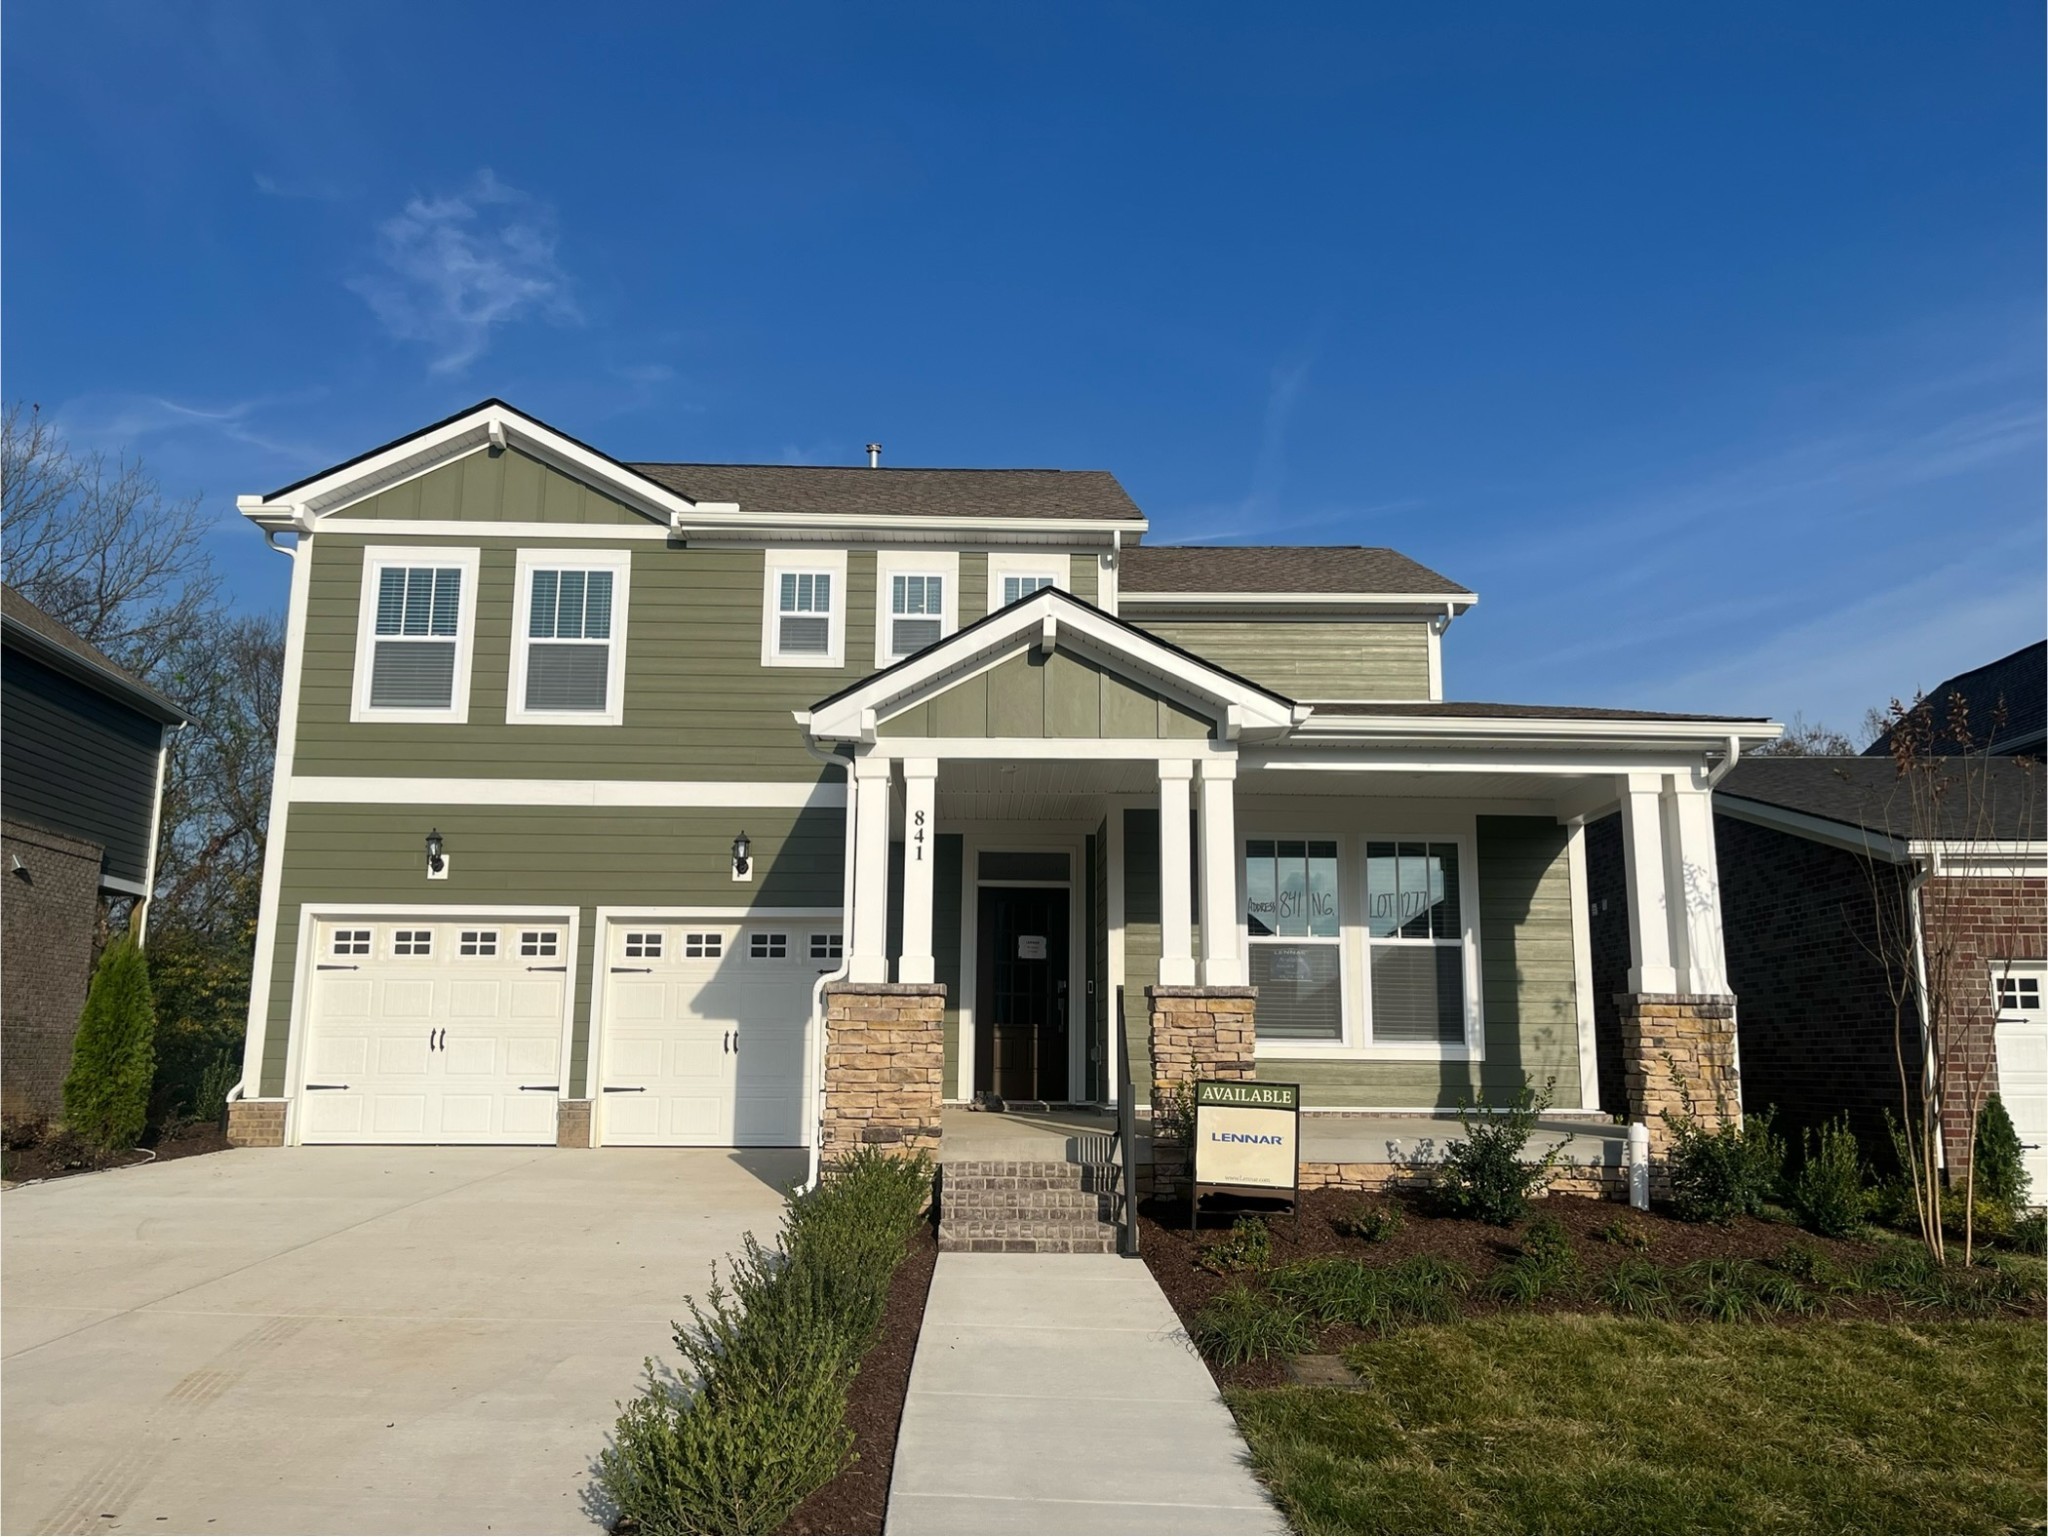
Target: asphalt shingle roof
point(1084, 496)
point(1264, 568)
point(1867, 792)
point(1460, 708)
point(87, 658)
point(2020, 680)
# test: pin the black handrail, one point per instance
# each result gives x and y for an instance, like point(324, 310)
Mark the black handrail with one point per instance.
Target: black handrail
point(1126, 1133)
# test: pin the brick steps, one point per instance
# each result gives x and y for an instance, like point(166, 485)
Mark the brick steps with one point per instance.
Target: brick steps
point(1027, 1208)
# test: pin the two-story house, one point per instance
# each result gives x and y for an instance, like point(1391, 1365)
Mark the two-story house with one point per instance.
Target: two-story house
point(719, 805)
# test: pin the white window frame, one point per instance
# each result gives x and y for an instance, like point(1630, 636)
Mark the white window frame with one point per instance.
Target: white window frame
point(1057, 567)
point(2002, 970)
point(620, 564)
point(377, 559)
point(895, 563)
point(1472, 1048)
point(799, 562)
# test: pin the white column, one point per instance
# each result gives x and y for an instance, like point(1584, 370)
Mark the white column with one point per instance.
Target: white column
point(869, 919)
point(1649, 920)
point(1695, 884)
point(1176, 920)
point(920, 848)
point(1222, 957)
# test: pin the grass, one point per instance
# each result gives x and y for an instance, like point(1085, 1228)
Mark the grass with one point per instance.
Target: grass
point(1567, 1423)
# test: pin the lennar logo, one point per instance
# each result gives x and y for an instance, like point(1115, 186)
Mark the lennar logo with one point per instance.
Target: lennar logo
point(1255, 1138)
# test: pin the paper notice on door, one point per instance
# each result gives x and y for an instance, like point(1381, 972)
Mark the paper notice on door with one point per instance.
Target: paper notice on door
point(1030, 947)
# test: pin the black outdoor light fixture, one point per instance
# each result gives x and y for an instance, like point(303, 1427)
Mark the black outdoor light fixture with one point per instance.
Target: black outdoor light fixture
point(435, 862)
point(741, 862)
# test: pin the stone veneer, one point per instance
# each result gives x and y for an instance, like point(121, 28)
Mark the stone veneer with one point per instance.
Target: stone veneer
point(885, 1062)
point(572, 1123)
point(256, 1123)
point(1603, 1182)
point(1693, 1037)
point(1197, 1032)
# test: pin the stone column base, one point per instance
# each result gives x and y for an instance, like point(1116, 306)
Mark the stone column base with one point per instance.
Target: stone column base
point(256, 1123)
point(1197, 1032)
point(885, 1064)
point(572, 1123)
point(1676, 1046)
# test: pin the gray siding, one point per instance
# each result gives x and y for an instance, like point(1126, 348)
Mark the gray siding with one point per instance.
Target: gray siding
point(76, 762)
point(1310, 659)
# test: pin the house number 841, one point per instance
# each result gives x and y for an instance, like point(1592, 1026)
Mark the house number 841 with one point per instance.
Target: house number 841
point(917, 837)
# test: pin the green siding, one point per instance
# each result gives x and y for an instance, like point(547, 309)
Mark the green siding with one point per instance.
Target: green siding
point(1311, 659)
point(973, 594)
point(1082, 573)
point(1058, 695)
point(579, 857)
point(494, 485)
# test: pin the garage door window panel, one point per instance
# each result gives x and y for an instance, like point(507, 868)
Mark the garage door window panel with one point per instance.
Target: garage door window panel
point(569, 638)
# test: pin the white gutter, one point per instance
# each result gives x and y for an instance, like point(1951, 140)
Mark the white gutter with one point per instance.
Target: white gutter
point(1721, 770)
point(1921, 875)
point(821, 1036)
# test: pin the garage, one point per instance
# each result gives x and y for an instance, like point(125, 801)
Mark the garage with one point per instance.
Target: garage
point(435, 1030)
point(703, 1030)
point(2021, 1043)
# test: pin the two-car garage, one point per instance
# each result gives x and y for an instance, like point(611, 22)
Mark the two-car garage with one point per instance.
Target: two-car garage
point(452, 1028)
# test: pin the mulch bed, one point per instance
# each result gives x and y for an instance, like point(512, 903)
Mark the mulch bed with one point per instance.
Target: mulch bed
point(857, 1500)
point(58, 1155)
point(1480, 1248)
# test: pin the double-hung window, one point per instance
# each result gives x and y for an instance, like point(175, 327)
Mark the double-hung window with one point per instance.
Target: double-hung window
point(1293, 921)
point(803, 613)
point(916, 601)
point(803, 609)
point(413, 637)
point(1415, 934)
point(569, 638)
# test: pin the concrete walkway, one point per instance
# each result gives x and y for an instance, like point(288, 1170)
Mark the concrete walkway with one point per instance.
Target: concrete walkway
point(1058, 1393)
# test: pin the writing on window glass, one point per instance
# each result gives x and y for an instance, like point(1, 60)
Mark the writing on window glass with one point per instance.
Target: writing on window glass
point(1291, 888)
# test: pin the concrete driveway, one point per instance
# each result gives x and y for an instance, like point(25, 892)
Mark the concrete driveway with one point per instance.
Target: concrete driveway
point(346, 1339)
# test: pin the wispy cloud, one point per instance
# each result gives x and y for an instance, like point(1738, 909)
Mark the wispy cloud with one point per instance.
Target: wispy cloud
point(1256, 510)
point(456, 267)
point(122, 423)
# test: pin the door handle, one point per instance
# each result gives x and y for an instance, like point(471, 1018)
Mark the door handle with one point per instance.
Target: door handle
point(735, 1043)
point(725, 1045)
point(443, 1044)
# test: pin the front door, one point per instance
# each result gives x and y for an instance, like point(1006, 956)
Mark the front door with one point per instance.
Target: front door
point(1020, 1013)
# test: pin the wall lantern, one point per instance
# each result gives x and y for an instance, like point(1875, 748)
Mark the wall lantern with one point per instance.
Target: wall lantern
point(742, 858)
point(437, 858)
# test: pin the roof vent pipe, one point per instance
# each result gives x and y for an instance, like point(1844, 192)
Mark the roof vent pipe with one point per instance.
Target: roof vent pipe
point(874, 456)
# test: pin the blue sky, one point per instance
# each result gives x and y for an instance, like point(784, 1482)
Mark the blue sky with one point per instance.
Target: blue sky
point(1704, 343)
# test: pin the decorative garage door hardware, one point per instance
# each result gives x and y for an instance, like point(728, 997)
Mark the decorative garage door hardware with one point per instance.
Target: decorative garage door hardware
point(540, 1088)
point(547, 968)
point(336, 966)
point(326, 1085)
point(632, 968)
point(638, 1088)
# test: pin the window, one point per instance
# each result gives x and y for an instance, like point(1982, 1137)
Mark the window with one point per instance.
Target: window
point(539, 942)
point(351, 941)
point(1293, 922)
point(703, 947)
point(479, 942)
point(803, 608)
point(1018, 588)
point(413, 637)
point(643, 947)
point(916, 601)
point(1015, 577)
point(768, 947)
point(412, 942)
point(569, 638)
point(917, 609)
point(1416, 938)
point(2018, 993)
point(827, 947)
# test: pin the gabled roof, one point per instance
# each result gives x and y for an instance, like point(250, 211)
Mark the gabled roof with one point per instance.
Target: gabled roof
point(2020, 681)
point(1081, 496)
point(1867, 793)
point(1052, 618)
point(58, 646)
point(1313, 569)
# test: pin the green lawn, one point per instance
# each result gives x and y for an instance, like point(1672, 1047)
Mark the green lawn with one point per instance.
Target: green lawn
point(1573, 1423)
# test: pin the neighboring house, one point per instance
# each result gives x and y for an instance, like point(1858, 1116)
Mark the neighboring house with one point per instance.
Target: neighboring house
point(2005, 707)
point(82, 744)
point(754, 804)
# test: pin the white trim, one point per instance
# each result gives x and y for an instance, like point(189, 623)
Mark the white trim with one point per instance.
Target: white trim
point(1582, 967)
point(620, 564)
point(1841, 835)
point(472, 528)
point(1106, 580)
point(125, 886)
point(893, 563)
point(1113, 850)
point(367, 791)
point(376, 558)
point(1988, 857)
point(311, 913)
point(1056, 564)
point(807, 561)
point(1436, 602)
point(138, 922)
point(1531, 729)
point(1436, 662)
point(840, 524)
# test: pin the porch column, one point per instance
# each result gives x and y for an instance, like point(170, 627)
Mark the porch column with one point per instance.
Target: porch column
point(1649, 922)
point(920, 828)
point(1176, 941)
point(1696, 891)
point(1222, 958)
point(869, 961)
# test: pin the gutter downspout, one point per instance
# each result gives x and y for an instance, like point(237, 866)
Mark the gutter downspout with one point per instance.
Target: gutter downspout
point(1726, 766)
point(820, 1040)
point(1923, 872)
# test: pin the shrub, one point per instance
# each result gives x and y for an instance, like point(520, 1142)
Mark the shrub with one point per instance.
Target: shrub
point(2030, 1233)
point(1425, 1289)
point(2001, 1166)
point(1628, 1233)
point(1242, 1325)
point(1483, 1174)
point(772, 1352)
point(1989, 1218)
point(1725, 1291)
point(1370, 1223)
point(1249, 1247)
point(1335, 1291)
point(1723, 1172)
point(201, 986)
point(106, 1093)
point(1828, 1192)
point(1544, 1267)
point(1636, 1287)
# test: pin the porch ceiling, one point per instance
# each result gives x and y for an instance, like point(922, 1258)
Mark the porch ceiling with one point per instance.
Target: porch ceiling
point(1409, 784)
point(1038, 790)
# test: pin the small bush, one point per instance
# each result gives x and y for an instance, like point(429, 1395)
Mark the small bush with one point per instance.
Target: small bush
point(2000, 1161)
point(1483, 1174)
point(1723, 1172)
point(1335, 1291)
point(1249, 1247)
point(1828, 1192)
point(1242, 1325)
point(1990, 1218)
point(113, 1059)
point(1725, 1291)
point(1636, 1287)
point(1425, 1289)
point(1545, 1266)
point(2030, 1233)
point(1370, 1223)
point(1627, 1233)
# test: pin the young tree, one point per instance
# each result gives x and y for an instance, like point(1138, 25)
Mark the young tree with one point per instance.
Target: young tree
point(113, 1060)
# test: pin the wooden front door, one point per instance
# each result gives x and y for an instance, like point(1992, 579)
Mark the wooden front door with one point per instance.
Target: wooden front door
point(1021, 1003)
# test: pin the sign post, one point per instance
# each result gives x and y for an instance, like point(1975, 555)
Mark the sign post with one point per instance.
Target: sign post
point(1247, 1142)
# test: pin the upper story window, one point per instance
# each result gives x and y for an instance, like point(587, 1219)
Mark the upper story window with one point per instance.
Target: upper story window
point(916, 601)
point(417, 619)
point(1018, 588)
point(569, 638)
point(1013, 578)
point(803, 609)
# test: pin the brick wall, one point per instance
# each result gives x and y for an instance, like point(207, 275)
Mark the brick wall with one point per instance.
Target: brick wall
point(1973, 923)
point(49, 910)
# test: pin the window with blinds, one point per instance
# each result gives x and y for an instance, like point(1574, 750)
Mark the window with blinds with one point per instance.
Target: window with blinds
point(569, 641)
point(917, 612)
point(414, 637)
point(1293, 923)
point(803, 613)
point(1416, 938)
point(1017, 588)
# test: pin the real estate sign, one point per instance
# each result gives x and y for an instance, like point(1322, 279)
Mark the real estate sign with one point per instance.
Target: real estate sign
point(1247, 1135)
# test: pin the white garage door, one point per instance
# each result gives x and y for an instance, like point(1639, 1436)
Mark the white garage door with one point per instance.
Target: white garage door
point(2022, 1044)
point(704, 1027)
point(428, 1030)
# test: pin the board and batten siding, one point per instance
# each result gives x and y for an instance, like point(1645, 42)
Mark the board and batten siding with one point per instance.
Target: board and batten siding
point(1054, 695)
point(579, 858)
point(498, 486)
point(78, 763)
point(1310, 659)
